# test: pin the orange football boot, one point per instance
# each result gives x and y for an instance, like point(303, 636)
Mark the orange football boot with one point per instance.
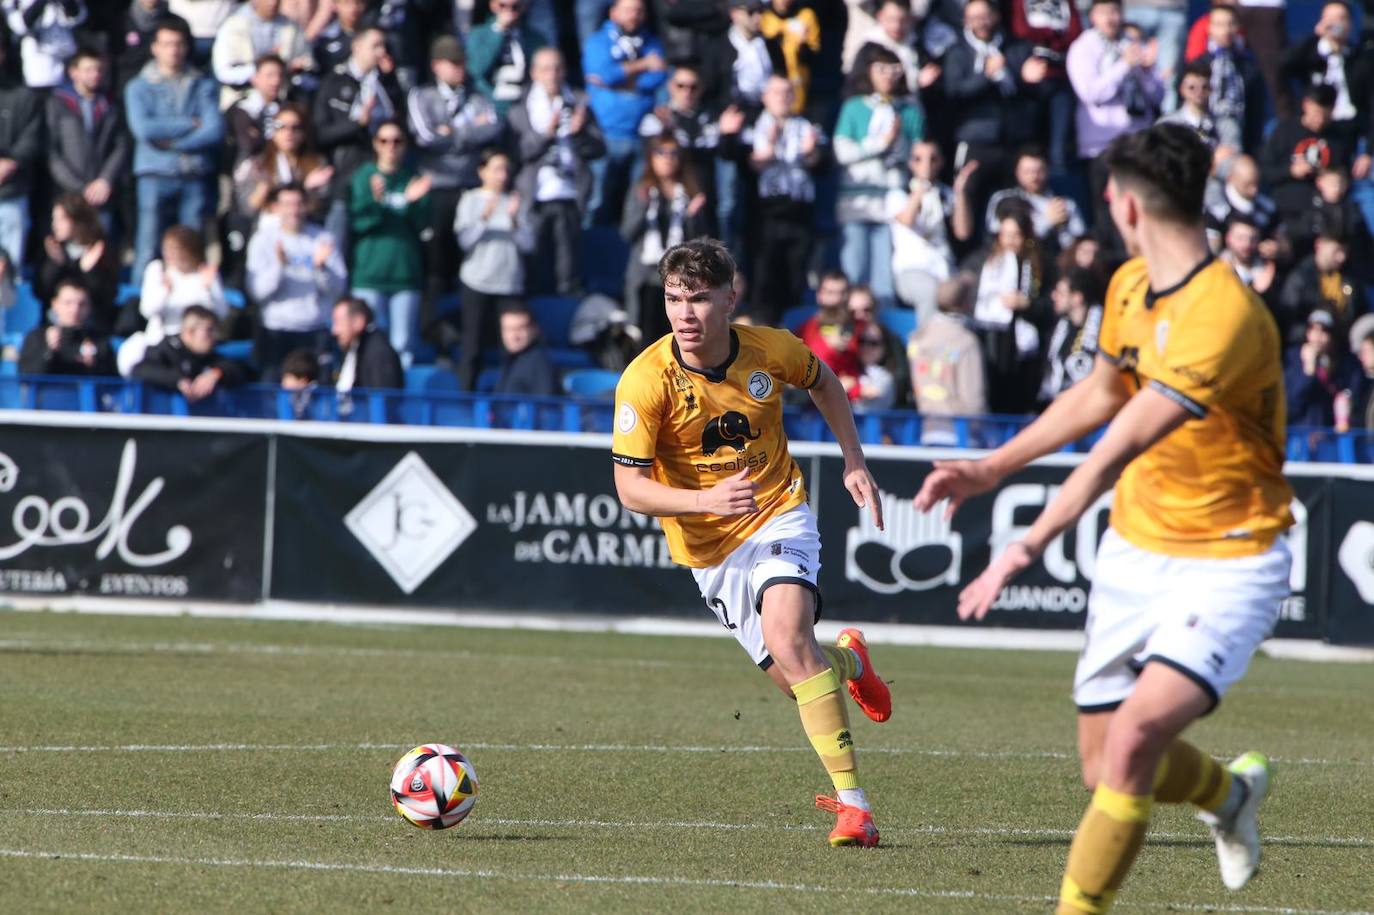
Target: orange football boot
point(868, 691)
point(853, 825)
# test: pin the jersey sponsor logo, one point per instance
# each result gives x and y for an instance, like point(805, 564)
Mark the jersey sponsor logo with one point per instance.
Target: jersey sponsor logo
point(755, 461)
point(730, 428)
point(760, 385)
point(626, 419)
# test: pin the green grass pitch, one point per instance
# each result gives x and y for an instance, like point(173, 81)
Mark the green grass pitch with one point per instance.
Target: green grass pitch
point(163, 765)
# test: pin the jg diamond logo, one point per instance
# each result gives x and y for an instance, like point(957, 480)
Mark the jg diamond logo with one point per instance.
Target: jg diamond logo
point(410, 522)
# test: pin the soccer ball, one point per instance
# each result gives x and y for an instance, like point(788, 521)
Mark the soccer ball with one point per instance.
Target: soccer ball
point(434, 786)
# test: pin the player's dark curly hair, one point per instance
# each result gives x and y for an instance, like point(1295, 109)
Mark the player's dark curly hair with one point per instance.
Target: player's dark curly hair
point(1166, 166)
point(702, 263)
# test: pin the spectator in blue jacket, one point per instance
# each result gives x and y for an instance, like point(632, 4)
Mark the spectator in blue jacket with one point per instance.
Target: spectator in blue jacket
point(624, 66)
point(1316, 372)
point(173, 113)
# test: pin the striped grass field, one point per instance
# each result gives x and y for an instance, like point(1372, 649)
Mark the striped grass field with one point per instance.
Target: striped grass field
point(177, 764)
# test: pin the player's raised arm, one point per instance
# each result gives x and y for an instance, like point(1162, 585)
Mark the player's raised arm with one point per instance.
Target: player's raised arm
point(1145, 419)
point(830, 398)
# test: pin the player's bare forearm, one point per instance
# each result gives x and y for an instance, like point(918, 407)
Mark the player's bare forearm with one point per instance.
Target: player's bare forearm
point(641, 493)
point(830, 398)
point(1145, 419)
point(1072, 415)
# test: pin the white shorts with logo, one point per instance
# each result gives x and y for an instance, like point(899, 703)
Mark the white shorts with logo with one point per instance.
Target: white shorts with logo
point(1202, 617)
point(786, 550)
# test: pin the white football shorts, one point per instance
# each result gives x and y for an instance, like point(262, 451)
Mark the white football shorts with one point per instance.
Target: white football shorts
point(1203, 617)
point(786, 550)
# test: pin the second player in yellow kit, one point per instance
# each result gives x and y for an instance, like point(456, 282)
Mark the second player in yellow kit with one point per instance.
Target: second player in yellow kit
point(1192, 572)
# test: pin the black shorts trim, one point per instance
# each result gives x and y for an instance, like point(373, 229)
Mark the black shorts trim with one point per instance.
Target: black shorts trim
point(631, 461)
point(1191, 675)
point(766, 663)
point(1178, 397)
point(1103, 707)
point(789, 580)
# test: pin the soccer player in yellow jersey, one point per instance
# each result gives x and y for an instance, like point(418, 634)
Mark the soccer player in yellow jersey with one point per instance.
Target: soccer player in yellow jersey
point(1191, 574)
point(699, 443)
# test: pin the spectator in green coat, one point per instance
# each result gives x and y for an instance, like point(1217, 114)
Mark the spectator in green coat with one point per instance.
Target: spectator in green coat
point(500, 51)
point(388, 208)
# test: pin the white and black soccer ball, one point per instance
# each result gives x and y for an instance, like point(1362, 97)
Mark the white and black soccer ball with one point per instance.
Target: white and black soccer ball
point(434, 786)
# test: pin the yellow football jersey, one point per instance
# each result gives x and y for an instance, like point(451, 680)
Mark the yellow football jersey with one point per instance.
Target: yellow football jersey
point(695, 428)
point(1213, 487)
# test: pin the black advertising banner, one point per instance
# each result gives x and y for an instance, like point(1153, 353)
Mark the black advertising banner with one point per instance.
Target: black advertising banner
point(529, 527)
point(1351, 590)
point(912, 571)
point(482, 525)
point(531, 523)
point(132, 513)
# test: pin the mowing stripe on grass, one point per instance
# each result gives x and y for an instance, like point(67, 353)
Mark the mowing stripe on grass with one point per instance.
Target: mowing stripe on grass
point(629, 880)
point(1331, 841)
point(597, 748)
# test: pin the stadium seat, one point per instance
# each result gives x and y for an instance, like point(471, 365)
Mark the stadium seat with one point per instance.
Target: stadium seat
point(794, 318)
point(590, 382)
point(25, 315)
point(486, 380)
point(234, 299)
point(554, 314)
point(901, 321)
point(570, 357)
point(238, 350)
point(127, 293)
point(428, 379)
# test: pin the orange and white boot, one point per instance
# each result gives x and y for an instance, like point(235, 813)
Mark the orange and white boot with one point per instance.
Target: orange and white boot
point(868, 691)
point(853, 825)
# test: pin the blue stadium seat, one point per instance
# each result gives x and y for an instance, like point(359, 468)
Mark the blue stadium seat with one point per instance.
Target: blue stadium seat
point(234, 298)
point(238, 350)
point(901, 321)
point(427, 379)
point(486, 380)
point(554, 314)
point(127, 293)
point(590, 382)
point(794, 318)
point(570, 357)
point(26, 314)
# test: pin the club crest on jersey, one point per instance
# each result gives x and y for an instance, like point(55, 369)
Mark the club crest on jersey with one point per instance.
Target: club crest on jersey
point(626, 419)
point(760, 385)
point(1161, 336)
point(730, 428)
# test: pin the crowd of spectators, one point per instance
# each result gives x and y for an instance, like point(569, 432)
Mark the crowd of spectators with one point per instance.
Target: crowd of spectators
point(350, 169)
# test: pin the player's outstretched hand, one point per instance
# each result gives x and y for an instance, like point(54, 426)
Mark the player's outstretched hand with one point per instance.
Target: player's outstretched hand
point(955, 481)
point(734, 495)
point(864, 490)
point(977, 599)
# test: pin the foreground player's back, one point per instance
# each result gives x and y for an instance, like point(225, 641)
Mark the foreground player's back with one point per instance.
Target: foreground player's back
point(1214, 486)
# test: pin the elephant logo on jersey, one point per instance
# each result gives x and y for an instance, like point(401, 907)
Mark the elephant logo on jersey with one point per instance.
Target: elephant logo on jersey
point(731, 428)
point(915, 551)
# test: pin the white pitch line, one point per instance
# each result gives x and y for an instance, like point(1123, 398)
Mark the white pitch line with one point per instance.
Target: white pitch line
point(1003, 831)
point(629, 880)
point(598, 748)
point(292, 651)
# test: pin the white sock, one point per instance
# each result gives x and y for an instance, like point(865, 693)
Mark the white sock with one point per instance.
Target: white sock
point(853, 797)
